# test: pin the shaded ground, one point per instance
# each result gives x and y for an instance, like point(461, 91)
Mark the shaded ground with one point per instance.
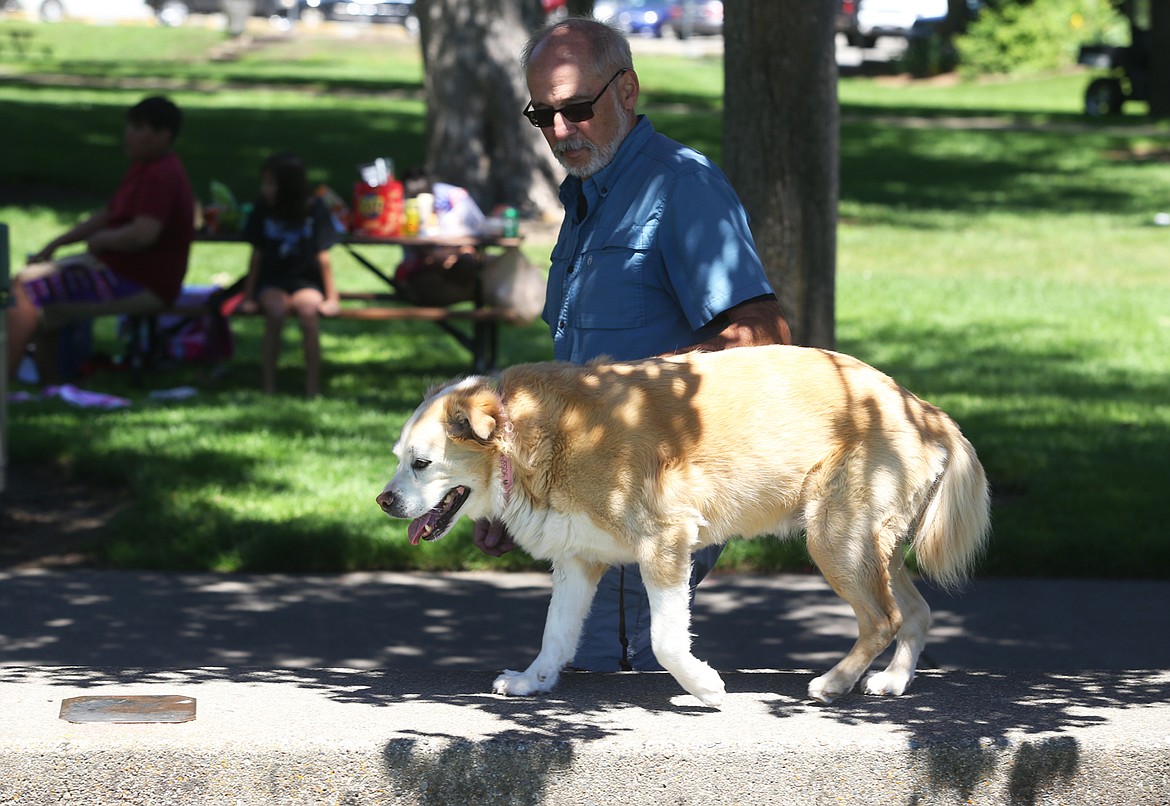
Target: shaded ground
point(49, 520)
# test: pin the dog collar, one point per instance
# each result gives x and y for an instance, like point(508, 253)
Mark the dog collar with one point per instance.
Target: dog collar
point(505, 460)
point(506, 476)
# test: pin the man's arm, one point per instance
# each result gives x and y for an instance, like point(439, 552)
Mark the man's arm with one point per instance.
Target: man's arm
point(139, 234)
point(753, 323)
point(78, 232)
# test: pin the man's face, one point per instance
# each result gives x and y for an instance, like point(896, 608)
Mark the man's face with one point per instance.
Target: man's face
point(582, 148)
point(143, 143)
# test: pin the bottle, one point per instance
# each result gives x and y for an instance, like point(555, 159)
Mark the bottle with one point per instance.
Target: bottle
point(410, 221)
point(511, 223)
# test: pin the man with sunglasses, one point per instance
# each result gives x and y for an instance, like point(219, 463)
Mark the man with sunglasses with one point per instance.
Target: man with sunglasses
point(654, 257)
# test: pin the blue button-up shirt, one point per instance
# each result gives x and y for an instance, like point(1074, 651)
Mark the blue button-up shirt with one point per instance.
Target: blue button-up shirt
point(664, 248)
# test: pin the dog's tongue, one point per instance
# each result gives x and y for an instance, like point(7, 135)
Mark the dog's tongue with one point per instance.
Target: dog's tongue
point(419, 525)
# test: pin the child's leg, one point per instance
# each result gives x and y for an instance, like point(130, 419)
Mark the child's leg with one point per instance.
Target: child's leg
point(305, 304)
point(274, 303)
point(22, 325)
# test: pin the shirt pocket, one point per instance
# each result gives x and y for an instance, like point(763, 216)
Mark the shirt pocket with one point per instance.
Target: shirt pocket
point(611, 288)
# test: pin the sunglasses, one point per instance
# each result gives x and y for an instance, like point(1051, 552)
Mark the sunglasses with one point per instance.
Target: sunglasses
point(574, 113)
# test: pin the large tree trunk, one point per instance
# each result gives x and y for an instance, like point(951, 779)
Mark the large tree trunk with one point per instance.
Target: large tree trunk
point(1159, 55)
point(780, 149)
point(476, 137)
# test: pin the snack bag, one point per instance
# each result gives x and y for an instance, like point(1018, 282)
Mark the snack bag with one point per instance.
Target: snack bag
point(378, 210)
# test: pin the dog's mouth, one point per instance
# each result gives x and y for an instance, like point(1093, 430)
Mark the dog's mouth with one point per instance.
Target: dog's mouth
point(437, 522)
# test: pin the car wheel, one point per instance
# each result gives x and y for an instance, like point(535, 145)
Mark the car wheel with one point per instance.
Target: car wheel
point(173, 12)
point(1103, 97)
point(51, 11)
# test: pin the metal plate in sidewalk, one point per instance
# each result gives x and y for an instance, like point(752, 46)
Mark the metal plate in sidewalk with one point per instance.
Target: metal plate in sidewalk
point(122, 710)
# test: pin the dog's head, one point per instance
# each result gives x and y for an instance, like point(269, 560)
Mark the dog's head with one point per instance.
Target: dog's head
point(448, 460)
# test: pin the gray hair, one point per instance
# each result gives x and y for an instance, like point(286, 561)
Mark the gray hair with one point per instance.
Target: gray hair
point(610, 50)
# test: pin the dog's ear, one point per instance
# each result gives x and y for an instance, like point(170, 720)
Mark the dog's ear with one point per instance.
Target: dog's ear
point(475, 416)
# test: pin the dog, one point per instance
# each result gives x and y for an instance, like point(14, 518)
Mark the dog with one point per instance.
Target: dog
point(645, 462)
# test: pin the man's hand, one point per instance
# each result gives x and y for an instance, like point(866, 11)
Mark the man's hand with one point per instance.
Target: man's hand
point(45, 255)
point(492, 538)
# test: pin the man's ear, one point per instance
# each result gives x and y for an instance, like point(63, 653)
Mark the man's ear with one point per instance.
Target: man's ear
point(476, 416)
point(628, 90)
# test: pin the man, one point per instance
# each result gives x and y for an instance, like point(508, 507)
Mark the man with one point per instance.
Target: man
point(136, 247)
point(654, 257)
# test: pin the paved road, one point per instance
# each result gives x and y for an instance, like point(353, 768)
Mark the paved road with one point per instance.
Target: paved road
point(491, 621)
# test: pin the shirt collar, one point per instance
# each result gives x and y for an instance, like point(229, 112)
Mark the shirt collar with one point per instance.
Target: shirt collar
point(601, 182)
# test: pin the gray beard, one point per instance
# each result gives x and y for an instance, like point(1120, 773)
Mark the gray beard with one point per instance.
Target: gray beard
point(599, 156)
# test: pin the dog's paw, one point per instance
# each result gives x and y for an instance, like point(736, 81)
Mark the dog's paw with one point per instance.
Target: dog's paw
point(822, 690)
point(889, 684)
point(712, 698)
point(522, 684)
point(707, 685)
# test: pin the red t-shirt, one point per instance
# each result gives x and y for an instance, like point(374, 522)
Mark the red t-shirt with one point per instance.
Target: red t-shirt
point(160, 190)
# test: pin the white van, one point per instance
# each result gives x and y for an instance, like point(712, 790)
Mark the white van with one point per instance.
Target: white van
point(895, 17)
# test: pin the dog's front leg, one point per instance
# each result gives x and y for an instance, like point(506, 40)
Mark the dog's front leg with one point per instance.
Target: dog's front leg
point(573, 584)
point(670, 622)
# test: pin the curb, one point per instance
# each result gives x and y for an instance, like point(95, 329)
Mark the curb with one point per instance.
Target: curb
point(412, 737)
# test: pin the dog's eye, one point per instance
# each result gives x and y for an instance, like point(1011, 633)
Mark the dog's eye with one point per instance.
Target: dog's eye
point(420, 464)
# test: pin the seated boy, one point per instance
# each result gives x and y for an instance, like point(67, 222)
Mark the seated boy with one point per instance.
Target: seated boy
point(136, 247)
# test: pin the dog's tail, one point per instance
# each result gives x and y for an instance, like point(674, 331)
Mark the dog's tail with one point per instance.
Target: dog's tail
point(956, 521)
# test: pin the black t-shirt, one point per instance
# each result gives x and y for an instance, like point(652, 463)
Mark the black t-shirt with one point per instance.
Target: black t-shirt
point(289, 250)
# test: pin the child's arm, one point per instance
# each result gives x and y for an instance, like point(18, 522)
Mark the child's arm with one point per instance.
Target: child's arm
point(249, 304)
point(332, 302)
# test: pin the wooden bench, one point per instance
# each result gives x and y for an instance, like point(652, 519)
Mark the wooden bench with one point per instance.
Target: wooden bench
point(144, 347)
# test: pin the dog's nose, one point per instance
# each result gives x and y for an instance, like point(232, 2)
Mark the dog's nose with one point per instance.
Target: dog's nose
point(385, 500)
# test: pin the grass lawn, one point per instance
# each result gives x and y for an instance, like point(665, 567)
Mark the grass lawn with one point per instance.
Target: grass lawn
point(995, 255)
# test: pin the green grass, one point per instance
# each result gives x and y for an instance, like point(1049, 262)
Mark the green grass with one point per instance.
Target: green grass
point(995, 254)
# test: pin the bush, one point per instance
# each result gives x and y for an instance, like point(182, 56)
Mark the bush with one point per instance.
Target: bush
point(1035, 37)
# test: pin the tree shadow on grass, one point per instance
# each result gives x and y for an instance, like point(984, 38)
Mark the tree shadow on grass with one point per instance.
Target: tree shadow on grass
point(902, 172)
point(1066, 480)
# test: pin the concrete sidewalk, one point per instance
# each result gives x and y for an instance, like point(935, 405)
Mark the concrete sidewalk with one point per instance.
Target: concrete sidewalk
point(488, 621)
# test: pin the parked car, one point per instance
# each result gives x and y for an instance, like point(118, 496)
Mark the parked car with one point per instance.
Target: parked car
point(847, 21)
point(175, 12)
point(57, 10)
point(894, 18)
point(683, 18)
point(643, 17)
point(604, 10)
point(400, 12)
point(702, 17)
point(554, 9)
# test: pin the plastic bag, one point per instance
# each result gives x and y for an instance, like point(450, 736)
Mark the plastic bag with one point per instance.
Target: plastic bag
point(511, 281)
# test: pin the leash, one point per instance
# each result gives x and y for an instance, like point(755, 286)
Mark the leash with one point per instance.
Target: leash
point(622, 637)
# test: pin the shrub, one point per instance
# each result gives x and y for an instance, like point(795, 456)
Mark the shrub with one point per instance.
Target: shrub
point(1035, 37)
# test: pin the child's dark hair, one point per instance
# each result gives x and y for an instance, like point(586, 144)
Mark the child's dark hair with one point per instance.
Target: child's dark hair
point(292, 185)
point(158, 113)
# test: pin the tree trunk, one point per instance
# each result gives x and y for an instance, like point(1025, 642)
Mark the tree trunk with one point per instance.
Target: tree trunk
point(1159, 55)
point(781, 149)
point(476, 137)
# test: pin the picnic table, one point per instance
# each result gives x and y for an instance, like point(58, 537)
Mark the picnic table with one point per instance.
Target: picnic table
point(475, 327)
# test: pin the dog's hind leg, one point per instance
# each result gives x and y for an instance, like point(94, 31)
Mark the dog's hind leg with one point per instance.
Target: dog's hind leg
point(574, 583)
point(911, 638)
point(849, 561)
point(670, 636)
